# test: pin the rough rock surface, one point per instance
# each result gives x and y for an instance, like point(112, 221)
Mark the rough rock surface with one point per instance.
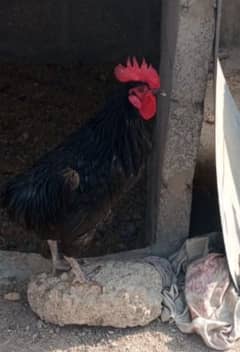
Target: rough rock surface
point(131, 295)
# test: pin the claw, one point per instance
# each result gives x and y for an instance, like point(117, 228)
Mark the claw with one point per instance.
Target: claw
point(80, 277)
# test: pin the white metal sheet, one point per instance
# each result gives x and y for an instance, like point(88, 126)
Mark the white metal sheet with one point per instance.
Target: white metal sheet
point(228, 171)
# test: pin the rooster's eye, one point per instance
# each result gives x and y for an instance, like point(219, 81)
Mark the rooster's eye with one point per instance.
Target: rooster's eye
point(139, 91)
point(142, 89)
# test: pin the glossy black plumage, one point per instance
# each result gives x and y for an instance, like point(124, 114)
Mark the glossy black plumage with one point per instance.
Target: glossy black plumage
point(63, 195)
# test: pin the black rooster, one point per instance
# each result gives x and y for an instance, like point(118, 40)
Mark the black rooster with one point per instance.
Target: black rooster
point(62, 195)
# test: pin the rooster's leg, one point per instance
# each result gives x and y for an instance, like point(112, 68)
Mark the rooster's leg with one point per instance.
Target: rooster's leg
point(77, 271)
point(80, 277)
point(57, 262)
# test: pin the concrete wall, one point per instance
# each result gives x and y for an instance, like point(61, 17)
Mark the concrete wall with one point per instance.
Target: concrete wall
point(78, 30)
point(230, 27)
point(187, 39)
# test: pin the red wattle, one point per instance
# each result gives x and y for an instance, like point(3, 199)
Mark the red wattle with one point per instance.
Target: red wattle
point(149, 106)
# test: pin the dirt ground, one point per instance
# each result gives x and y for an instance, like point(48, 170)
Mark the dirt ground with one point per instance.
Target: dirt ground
point(21, 331)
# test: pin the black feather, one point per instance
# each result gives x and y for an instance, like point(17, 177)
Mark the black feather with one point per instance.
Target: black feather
point(112, 142)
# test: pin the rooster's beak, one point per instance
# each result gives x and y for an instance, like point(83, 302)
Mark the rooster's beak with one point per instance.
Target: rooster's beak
point(157, 91)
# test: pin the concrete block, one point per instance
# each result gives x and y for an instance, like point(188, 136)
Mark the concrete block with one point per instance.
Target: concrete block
point(187, 39)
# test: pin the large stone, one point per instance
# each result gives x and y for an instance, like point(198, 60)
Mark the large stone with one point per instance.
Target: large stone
point(131, 295)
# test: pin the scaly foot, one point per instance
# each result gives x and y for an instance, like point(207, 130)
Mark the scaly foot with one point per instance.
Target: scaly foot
point(80, 277)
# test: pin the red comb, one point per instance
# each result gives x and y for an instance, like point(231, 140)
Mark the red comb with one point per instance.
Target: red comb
point(133, 72)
